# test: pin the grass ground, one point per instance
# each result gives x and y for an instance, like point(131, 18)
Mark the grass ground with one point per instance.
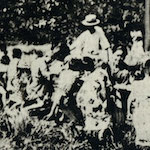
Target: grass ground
point(34, 134)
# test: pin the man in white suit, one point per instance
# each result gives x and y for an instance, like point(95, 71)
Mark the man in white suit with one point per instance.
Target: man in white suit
point(90, 43)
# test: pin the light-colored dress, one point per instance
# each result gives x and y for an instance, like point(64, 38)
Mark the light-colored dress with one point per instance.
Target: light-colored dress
point(38, 70)
point(13, 83)
point(136, 55)
point(140, 95)
point(91, 99)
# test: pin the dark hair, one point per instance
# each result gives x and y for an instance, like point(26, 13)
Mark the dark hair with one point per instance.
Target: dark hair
point(136, 26)
point(17, 53)
point(5, 60)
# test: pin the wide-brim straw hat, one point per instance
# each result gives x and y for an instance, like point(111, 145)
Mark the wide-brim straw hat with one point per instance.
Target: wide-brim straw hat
point(90, 20)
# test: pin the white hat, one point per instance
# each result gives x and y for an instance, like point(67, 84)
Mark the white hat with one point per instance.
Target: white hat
point(90, 20)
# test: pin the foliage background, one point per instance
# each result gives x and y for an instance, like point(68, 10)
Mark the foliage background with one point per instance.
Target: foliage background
point(54, 21)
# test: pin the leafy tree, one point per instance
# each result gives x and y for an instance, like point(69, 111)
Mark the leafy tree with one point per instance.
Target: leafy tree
point(53, 21)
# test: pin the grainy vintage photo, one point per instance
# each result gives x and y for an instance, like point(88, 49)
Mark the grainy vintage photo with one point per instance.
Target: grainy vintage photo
point(74, 75)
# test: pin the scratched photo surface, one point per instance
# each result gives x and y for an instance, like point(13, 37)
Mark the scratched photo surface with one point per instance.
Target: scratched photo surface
point(75, 75)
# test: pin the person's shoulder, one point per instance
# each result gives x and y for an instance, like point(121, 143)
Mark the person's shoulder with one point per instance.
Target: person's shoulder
point(138, 84)
point(98, 29)
point(82, 36)
point(84, 33)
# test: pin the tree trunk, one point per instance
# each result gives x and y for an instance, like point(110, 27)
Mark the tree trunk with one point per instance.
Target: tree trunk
point(147, 24)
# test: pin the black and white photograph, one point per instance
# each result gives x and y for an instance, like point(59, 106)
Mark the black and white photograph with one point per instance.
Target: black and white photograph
point(74, 74)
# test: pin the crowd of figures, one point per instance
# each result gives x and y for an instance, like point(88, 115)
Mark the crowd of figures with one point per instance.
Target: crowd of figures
point(87, 84)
